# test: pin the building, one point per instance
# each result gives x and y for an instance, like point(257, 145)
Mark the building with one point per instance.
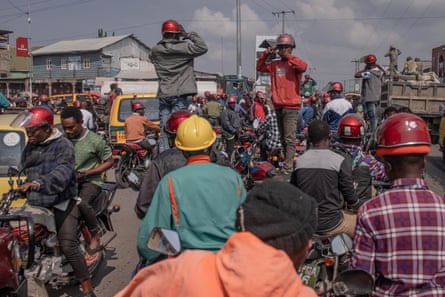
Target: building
point(437, 62)
point(73, 65)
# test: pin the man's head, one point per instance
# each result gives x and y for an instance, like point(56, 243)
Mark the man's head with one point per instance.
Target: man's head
point(44, 99)
point(285, 44)
point(72, 122)
point(319, 134)
point(335, 89)
point(370, 59)
point(259, 97)
point(282, 216)
point(138, 108)
point(403, 141)
point(195, 135)
point(38, 122)
point(171, 29)
point(231, 102)
point(351, 129)
point(171, 127)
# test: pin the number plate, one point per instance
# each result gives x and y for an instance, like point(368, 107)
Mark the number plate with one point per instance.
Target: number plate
point(309, 273)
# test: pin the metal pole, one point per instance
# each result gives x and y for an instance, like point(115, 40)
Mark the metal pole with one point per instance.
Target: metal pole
point(238, 39)
point(30, 53)
point(282, 13)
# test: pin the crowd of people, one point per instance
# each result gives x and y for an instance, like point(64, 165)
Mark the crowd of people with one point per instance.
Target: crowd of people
point(237, 242)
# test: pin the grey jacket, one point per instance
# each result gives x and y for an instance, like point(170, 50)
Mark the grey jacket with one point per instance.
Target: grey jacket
point(173, 61)
point(372, 86)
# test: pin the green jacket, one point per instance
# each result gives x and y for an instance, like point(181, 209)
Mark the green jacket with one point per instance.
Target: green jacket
point(206, 197)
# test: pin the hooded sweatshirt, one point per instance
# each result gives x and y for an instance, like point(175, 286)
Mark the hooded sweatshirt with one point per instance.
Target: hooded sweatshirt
point(246, 266)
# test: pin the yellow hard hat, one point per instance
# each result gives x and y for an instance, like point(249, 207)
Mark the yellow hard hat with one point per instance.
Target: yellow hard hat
point(194, 134)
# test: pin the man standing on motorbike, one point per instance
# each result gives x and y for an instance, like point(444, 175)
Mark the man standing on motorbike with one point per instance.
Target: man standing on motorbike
point(198, 200)
point(52, 184)
point(327, 176)
point(137, 124)
point(399, 237)
point(230, 124)
point(93, 159)
point(274, 229)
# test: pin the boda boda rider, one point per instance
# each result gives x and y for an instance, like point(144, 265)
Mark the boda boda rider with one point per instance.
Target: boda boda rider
point(327, 176)
point(167, 161)
point(274, 229)
point(399, 237)
point(52, 184)
point(93, 158)
point(137, 124)
point(198, 200)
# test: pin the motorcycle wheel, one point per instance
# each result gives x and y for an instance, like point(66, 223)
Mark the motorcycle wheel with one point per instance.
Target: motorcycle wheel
point(121, 172)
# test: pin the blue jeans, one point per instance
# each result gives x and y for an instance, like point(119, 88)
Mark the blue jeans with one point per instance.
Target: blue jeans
point(167, 106)
point(371, 112)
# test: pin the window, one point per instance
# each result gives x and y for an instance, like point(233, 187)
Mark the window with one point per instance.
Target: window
point(63, 63)
point(86, 63)
point(49, 64)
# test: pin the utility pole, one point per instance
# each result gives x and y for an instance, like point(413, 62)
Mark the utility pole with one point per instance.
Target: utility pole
point(238, 39)
point(282, 13)
point(356, 80)
point(30, 52)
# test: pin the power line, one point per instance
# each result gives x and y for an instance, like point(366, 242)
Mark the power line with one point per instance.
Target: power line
point(282, 13)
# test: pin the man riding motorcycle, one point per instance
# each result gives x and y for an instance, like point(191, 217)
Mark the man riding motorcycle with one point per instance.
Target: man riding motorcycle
point(52, 184)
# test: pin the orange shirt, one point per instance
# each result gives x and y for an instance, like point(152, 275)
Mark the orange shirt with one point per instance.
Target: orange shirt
point(245, 266)
point(135, 127)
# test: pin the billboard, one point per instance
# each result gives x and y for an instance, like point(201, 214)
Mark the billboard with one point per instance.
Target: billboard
point(21, 47)
point(261, 43)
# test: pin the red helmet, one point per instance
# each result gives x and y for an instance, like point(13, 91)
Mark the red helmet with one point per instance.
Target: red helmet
point(137, 105)
point(307, 101)
point(35, 117)
point(232, 99)
point(336, 87)
point(175, 119)
point(194, 98)
point(351, 127)
point(207, 93)
point(286, 39)
point(403, 134)
point(171, 26)
point(259, 94)
point(370, 59)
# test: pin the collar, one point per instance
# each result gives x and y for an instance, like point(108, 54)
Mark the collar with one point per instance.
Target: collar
point(411, 183)
point(198, 159)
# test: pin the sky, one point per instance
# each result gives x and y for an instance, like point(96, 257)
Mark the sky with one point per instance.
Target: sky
point(330, 34)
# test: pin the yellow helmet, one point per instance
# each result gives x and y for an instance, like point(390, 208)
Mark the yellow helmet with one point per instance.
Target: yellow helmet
point(194, 134)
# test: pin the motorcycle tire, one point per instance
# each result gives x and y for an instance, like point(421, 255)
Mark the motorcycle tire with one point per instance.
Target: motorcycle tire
point(121, 172)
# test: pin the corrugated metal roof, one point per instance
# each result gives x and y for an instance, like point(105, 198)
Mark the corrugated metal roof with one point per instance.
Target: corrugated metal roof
point(80, 45)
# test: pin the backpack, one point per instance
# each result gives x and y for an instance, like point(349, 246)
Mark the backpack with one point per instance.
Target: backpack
point(361, 176)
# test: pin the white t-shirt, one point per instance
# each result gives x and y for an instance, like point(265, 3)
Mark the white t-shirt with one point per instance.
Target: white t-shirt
point(87, 119)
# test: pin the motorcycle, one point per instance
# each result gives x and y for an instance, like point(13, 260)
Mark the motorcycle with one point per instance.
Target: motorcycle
point(37, 254)
point(326, 268)
point(133, 160)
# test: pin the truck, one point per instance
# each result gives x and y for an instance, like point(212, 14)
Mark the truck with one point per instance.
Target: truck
point(423, 98)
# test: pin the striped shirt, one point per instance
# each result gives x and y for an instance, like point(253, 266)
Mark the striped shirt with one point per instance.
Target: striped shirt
point(400, 240)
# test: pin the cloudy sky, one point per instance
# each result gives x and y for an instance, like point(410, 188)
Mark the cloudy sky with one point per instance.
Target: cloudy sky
point(330, 34)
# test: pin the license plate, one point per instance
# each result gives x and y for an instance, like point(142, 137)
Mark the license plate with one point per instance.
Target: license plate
point(120, 136)
point(309, 274)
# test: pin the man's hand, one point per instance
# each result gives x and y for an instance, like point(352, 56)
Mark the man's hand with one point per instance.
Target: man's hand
point(270, 50)
point(81, 174)
point(34, 186)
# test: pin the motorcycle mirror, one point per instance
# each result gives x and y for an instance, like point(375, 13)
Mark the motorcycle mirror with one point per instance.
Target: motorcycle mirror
point(256, 123)
point(164, 241)
point(13, 171)
point(341, 244)
point(353, 282)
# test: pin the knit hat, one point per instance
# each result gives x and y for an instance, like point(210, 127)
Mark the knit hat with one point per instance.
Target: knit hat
point(280, 214)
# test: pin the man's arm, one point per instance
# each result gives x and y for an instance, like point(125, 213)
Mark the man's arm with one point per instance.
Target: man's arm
point(297, 63)
point(363, 255)
point(150, 125)
point(345, 182)
point(261, 65)
point(159, 215)
point(197, 46)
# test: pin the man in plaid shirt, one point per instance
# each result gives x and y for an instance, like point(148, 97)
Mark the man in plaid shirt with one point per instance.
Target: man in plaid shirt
point(399, 236)
point(271, 141)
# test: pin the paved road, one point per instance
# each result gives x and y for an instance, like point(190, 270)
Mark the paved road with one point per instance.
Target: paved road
point(122, 255)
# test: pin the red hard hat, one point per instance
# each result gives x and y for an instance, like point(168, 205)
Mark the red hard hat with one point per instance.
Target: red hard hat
point(232, 99)
point(351, 127)
point(137, 105)
point(35, 117)
point(370, 59)
point(259, 94)
point(175, 119)
point(194, 98)
point(171, 26)
point(307, 101)
point(286, 39)
point(336, 87)
point(403, 134)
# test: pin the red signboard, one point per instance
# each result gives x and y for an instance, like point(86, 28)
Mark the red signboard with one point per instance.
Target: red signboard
point(22, 47)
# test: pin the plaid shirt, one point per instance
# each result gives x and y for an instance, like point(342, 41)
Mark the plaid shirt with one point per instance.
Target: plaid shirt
point(270, 130)
point(400, 240)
